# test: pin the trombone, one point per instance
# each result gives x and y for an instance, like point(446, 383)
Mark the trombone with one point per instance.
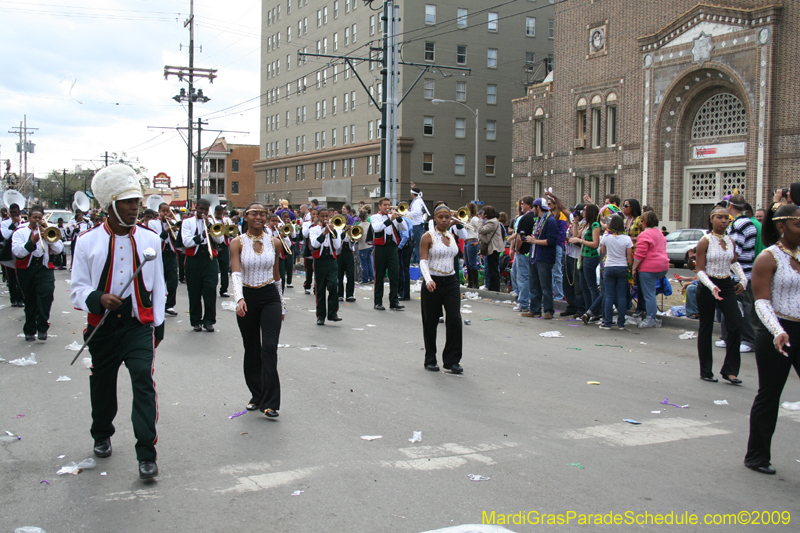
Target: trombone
point(51, 234)
point(339, 222)
point(355, 233)
point(462, 215)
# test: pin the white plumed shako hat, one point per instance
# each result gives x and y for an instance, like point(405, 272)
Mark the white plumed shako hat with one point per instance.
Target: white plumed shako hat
point(115, 182)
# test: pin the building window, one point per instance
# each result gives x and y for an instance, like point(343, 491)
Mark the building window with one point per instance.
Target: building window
point(352, 166)
point(594, 188)
point(551, 29)
point(427, 125)
point(461, 54)
point(322, 144)
point(372, 25)
point(354, 34)
point(325, 15)
point(530, 26)
point(493, 18)
point(461, 91)
point(429, 88)
point(611, 125)
point(235, 165)
point(335, 73)
point(427, 162)
point(462, 18)
point(347, 6)
point(303, 143)
point(344, 168)
point(459, 164)
point(430, 48)
point(490, 160)
point(316, 171)
point(491, 130)
point(596, 118)
point(347, 36)
point(302, 173)
point(319, 18)
point(549, 63)
point(353, 133)
point(234, 187)
point(335, 41)
point(461, 128)
point(297, 144)
point(491, 94)
point(491, 58)
point(336, 9)
point(333, 168)
point(539, 137)
point(316, 141)
point(287, 147)
point(345, 131)
point(530, 58)
point(324, 108)
point(370, 132)
point(346, 101)
point(353, 100)
point(334, 100)
point(722, 115)
point(333, 137)
point(369, 165)
point(323, 170)
point(611, 185)
point(430, 14)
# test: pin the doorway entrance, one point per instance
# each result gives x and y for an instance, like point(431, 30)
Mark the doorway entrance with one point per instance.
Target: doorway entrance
point(704, 186)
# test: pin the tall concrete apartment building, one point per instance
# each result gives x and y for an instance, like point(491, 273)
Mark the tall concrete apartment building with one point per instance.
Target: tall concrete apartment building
point(672, 103)
point(320, 131)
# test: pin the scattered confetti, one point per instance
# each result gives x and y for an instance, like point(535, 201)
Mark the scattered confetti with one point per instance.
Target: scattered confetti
point(577, 465)
point(297, 492)
point(612, 345)
point(631, 421)
point(237, 414)
point(372, 437)
point(593, 383)
point(476, 477)
point(552, 334)
point(44, 481)
point(721, 402)
point(666, 402)
point(574, 348)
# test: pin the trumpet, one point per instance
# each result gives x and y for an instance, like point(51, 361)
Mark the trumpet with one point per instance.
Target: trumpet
point(51, 234)
point(339, 222)
point(402, 208)
point(355, 233)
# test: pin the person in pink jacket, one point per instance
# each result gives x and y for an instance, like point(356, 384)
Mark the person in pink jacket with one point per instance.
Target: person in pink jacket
point(650, 263)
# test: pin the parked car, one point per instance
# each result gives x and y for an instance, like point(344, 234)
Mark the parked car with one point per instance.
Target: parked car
point(679, 242)
point(51, 216)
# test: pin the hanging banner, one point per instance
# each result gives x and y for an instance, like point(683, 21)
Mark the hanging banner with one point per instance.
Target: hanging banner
point(713, 151)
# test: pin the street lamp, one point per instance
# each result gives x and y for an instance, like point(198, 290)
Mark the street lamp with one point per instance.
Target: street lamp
point(474, 112)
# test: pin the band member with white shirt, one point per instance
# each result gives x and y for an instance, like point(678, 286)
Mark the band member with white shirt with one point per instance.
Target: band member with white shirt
point(77, 226)
point(326, 244)
point(202, 269)
point(7, 228)
point(386, 236)
point(106, 259)
point(35, 272)
point(223, 252)
point(169, 255)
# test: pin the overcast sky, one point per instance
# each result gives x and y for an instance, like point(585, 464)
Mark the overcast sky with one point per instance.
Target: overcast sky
point(89, 75)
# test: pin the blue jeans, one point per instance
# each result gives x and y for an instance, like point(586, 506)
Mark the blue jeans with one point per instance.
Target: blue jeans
point(367, 274)
point(471, 250)
point(541, 282)
point(615, 291)
point(588, 277)
point(418, 231)
point(691, 300)
point(521, 263)
point(647, 290)
point(558, 269)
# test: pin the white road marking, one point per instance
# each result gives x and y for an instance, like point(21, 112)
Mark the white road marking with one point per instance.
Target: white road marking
point(142, 494)
point(655, 431)
point(447, 456)
point(269, 480)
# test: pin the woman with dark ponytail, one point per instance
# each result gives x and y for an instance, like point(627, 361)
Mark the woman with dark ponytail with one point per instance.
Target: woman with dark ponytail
point(776, 285)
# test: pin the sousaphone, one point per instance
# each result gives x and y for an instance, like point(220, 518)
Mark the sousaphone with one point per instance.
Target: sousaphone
point(81, 202)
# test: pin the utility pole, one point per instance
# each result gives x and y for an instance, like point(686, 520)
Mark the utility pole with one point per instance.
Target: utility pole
point(389, 72)
point(191, 97)
point(23, 147)
point(200, 157)
point(64, 189)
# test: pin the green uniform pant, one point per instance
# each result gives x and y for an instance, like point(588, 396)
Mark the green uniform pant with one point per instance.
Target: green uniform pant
point(37, 283)
point(386, 259)
point(201, 280)
point(347, 267)
point(325, 274)
point(170, 261)
point(123, 339)
point(224, 261)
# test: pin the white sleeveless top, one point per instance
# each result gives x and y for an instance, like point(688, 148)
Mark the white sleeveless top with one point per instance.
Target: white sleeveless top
point(719, 260)
point(440, 255)
point(785, 286)
point(257, 268)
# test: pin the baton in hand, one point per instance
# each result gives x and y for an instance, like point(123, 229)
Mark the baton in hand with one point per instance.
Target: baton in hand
point(149, 255)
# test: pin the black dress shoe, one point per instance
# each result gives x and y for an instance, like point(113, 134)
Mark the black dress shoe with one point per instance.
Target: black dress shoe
point(397, 307)
point(289, 286)
point(270, 413)
point(170, 312)
point(380, 307)
point(251, 406)
point(197, 327)
point(209, 328)
point(42, 335)
point(567, 313)
point(433, 368)
point(30, 338)
point(320, 321)
point(334, 318)
point(341, 299)
point(733, 381)
point(711, 379)
point(404, 299)
point(454, 369)
point(764, 469)
point(102, 447)
point(148, 469)
point(351, 299)
point(224, 294)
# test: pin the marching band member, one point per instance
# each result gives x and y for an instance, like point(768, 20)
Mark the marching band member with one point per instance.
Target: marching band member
point(345, 261)
point(35, 272)
point(308, 259)
point(62, 257)
point(386, 230)
point(287, 253)
point(438, 250)
point(7, 228)
point(202, 269)
point(77, 226)
point(169, 257)
point(326, 244)
point(107, 257)
point(223, 253)
point(260, 309)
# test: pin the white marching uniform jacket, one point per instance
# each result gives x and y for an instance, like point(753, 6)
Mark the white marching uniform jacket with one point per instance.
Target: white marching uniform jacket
point(24, 249)
point(162, 230)
point(385, 229)
point(75, 228)
point(319, 242)
point(105, 262)
point(193, 237)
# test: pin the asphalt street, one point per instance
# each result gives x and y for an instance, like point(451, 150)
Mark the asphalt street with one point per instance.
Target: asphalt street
point(523, 415)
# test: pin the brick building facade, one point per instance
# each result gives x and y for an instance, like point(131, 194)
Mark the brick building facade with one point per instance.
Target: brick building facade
point(673, 103)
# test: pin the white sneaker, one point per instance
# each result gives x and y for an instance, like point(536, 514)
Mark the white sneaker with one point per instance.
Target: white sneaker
point(516, 308)
point(720, 344)
point(744, 348)
point(513, 294)
point(648, 323)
